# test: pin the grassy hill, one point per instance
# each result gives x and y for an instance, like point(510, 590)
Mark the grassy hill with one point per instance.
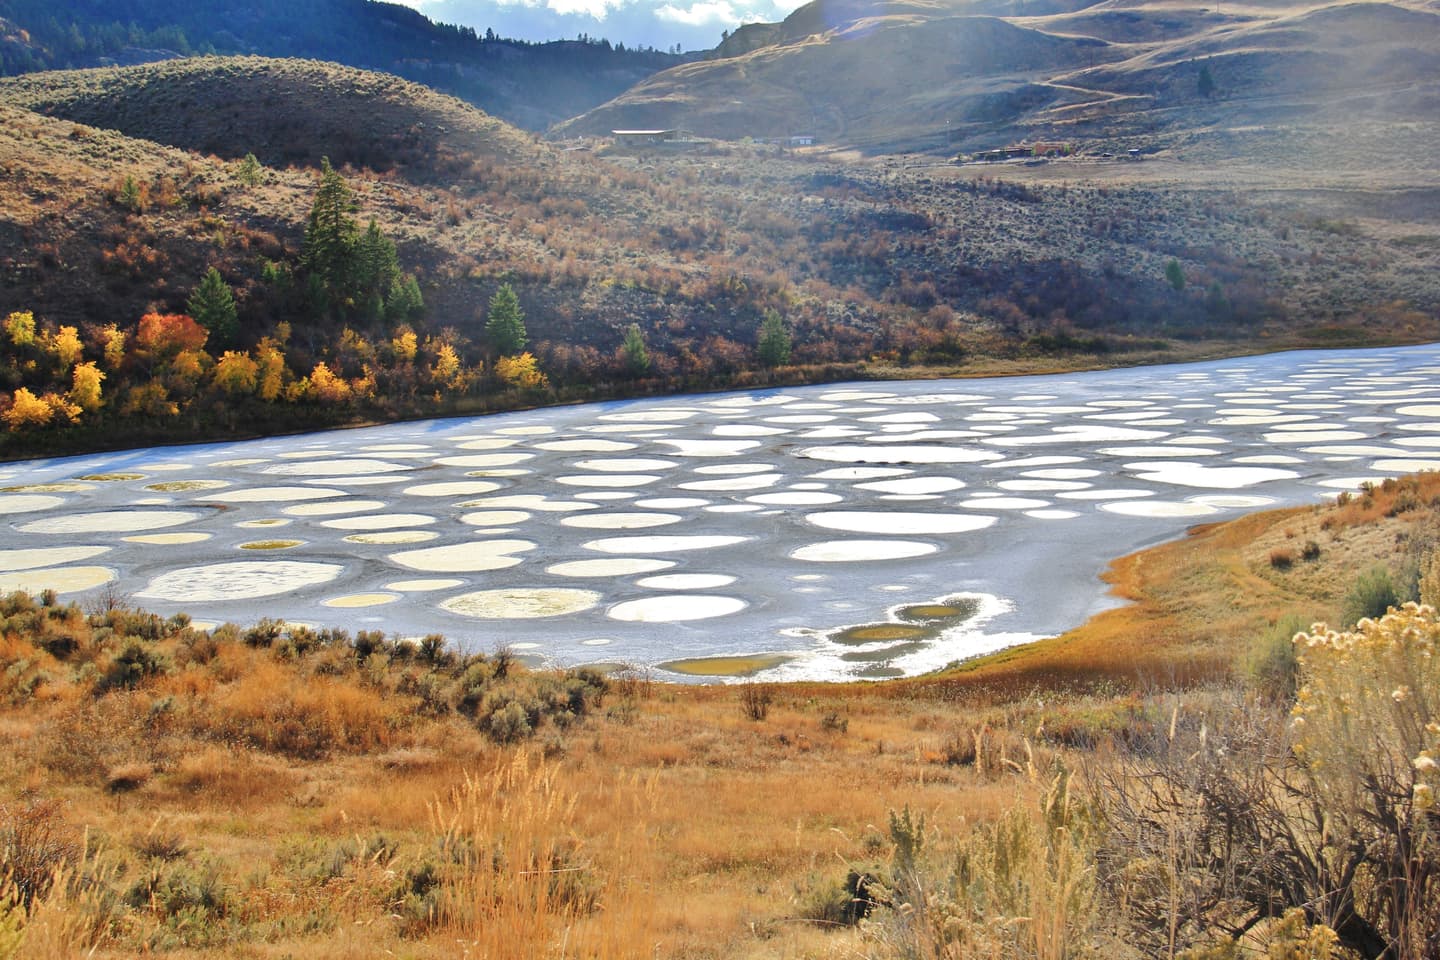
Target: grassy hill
point(286, 112)
point(906, 272)
point(529, 84)
point(891, 77)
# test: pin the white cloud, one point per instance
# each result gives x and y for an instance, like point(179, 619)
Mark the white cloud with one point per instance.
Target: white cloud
point(698, 14)
point(598, 9)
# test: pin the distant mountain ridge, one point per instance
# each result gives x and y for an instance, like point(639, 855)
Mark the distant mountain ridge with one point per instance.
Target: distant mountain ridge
point(531, 85)
point(899, 75)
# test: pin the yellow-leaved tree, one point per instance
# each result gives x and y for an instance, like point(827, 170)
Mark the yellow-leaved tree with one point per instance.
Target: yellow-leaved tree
point(522, 372)
point(27, 411)
point(112, 341)
point(269, 369)
point(20, 328)
point(85, 390)
point(326, 387)
point(66, 347)
point(236, 373)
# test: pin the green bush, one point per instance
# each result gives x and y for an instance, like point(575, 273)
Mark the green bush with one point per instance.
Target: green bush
point(1372, 594)
point(1272, 664)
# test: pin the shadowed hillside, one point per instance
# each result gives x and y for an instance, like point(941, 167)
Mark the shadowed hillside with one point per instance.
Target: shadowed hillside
point(529, 84)
point(283, 111)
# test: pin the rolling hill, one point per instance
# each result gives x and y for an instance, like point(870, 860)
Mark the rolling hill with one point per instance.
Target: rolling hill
point(946, 76)
point(531, 85)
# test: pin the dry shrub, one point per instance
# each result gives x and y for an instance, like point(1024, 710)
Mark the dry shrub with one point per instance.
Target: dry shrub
point(1023, 886)
point(524, 881)
point(273, 709)
point(229, 776)
point(68, 921)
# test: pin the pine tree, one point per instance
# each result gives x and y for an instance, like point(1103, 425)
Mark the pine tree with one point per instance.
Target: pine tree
point(1205, 83)
point(505, 326)
point(636, 356)
point(1176, 275)
point(212, 305)
point(250, 172)
point(331, 235)
point(774, 343)
point(376, 269)
point(405, 302)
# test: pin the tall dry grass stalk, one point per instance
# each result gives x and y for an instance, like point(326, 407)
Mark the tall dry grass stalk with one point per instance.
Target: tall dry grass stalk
point(71, 920)
point(1021, 888)
point(530, 883)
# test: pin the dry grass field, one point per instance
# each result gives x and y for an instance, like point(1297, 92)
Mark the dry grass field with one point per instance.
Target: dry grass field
point(252, 793)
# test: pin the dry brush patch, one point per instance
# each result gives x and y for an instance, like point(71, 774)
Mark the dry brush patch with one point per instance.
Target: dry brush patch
point(372, 793)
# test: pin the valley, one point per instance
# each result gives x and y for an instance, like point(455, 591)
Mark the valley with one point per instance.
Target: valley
point(375, 453)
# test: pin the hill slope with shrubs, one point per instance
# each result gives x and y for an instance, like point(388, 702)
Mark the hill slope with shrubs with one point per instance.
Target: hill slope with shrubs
point(529, 84)
point(872, 269)
point(966, 76)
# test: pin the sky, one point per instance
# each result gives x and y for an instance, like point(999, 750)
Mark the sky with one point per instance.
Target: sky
point(694, 24)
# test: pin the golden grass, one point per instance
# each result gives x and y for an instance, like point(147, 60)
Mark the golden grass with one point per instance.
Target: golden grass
point(665, 823)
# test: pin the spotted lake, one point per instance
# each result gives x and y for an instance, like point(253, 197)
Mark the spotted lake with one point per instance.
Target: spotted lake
point(860, 530)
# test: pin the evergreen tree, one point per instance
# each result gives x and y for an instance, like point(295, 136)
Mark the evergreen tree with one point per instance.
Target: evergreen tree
point(774, 343)
point(505, 326)
point(330, 236)
point(1205, 83)
point(250, 172)
point(636, 356)
point(1175, 274)
point(404, 302)
point(376, 269)
point(212, 305)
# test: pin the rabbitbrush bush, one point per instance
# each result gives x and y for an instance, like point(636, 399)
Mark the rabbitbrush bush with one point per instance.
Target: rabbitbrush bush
point(1367, 721)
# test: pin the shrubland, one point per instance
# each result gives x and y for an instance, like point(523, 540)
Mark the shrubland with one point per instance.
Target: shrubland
point(871, 269)
point(1209, 787)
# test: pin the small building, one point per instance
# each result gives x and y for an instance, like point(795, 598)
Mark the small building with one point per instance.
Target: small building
point(802, 140)
point(642, 137)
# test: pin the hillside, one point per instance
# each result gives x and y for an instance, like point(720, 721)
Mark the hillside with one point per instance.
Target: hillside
point(529, 84)
point(906, 272)
point(286, 112)
point(957, 76)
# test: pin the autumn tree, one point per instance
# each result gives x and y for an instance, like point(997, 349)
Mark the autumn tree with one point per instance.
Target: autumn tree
point(269, 369)
point(85, 390)
point(64, 344)
point(213, 307)
point(773, 345)
point(446, 371)
point(20, 328)
point(520, 372)
point(505, 326)
point(236, 373)
point(164, 335)
point(327, 387)
point(27, 411)
point(112, 344)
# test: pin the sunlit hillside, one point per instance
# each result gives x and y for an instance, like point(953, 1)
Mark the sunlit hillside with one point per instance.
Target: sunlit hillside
point(869, 268)
point(961, 76)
